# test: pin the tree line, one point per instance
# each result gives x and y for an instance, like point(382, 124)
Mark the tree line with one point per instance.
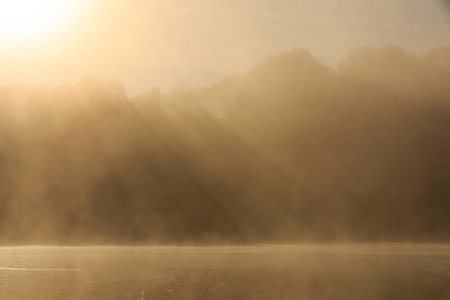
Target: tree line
point(291, 151)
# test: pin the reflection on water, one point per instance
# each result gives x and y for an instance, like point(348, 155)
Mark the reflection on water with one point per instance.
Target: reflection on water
point(373, 271)
point(33, 269)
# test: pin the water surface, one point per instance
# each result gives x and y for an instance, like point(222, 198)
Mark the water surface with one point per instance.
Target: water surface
point(371, 271)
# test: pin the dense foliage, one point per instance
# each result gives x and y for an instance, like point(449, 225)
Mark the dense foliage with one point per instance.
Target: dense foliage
point(291, 151)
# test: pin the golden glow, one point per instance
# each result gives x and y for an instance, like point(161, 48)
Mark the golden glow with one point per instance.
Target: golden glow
point(30, 20)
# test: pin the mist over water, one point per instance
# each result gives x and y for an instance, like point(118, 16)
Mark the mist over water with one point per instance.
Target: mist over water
point(364, 271)
point(292, 151)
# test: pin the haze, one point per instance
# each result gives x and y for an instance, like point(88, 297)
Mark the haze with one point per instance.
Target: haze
point(240, 149)
point(147, 43)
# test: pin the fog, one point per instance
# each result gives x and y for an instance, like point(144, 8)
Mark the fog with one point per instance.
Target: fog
point(293, 150)
point(195, 43)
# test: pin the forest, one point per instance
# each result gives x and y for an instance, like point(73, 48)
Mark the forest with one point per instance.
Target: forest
point(291, 151)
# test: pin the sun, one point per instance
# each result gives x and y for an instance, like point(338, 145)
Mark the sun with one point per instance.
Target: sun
point(28, 20)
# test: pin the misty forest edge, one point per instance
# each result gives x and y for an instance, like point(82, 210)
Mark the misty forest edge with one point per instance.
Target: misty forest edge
point(292, 151)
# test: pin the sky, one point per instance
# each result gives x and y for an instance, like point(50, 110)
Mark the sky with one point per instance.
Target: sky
point(168, 44)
